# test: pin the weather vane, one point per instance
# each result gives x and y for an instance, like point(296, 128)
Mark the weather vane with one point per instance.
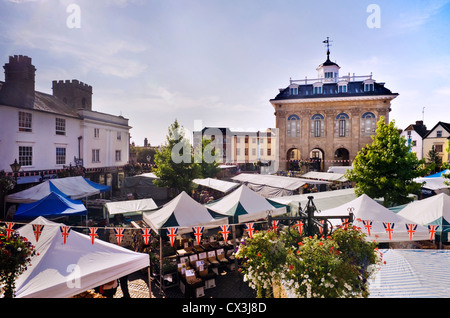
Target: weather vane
point(327, 42)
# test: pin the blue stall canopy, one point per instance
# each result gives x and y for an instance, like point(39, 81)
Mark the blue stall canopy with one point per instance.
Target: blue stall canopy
point(53, 205)
point(71, 187)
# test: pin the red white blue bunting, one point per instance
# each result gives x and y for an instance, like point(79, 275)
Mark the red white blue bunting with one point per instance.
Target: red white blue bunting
point(65, 230)
point(432, 229)
point(389, 227)
point(225, 229)
point(198, 232)
point(146, 235)
point(93, 233)
point(250, 228)
point(37, 230)
point(172, 234)
point(119, 234)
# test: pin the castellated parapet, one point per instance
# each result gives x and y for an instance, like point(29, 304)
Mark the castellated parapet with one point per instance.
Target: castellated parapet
point(74, 93)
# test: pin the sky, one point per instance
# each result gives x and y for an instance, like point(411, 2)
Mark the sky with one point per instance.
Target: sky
point(219, 62)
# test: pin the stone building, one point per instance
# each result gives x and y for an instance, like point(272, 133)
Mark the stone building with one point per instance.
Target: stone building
point(327, 120)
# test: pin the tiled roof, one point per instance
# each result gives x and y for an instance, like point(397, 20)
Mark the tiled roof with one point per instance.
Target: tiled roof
point(331, 90)
point(50, 104)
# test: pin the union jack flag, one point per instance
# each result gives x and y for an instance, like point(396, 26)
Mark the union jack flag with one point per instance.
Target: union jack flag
point(299, 225)
point(250, 228)
point(225, 229)
point(345, 222)
point(432, 229)
point(275, 224)
point(146, 235)
point(367, 225)
point(172, 233)
point(411, 229)
point(9, 229)
point(37, 229)
point(198, 232)
point(389, 227)
point(119, 234)
point(93, 233)
point(65, 232)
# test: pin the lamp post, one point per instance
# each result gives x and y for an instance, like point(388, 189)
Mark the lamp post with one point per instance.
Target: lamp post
point(15, 167)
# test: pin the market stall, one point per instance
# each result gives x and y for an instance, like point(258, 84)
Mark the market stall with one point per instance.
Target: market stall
point(71, 187)
point(51, 206)
point(432, 211)
point(128, 208)
point(379, 223)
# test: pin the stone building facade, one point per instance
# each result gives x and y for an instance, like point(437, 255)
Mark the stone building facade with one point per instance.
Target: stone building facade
point(325, 121)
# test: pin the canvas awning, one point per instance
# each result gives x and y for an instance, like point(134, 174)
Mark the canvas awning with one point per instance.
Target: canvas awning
point(434, 210)
point(53, 205)
point(63, 270)
point(244, 205)
point(216, 184)
point(129, 207)
point(437, 184)
point(72, 187)
point(415, 273)
point(271, 186)
point(368, 210)
point(322, 200)
point(183, 213)
point(328, 176)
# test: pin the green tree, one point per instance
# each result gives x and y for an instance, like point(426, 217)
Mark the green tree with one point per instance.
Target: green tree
point(175, 166)
point(433, 160)
point(209, 161)
point(386, 168)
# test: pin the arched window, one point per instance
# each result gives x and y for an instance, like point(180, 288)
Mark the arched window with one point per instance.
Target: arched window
point(342, 125)
point(317, 126)
point(368, 124)
point(293, 126)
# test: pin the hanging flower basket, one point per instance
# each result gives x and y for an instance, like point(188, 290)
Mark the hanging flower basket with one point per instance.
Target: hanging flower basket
point(15, 255)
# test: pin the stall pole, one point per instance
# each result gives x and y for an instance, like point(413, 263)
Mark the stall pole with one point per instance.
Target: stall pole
point(234, 244)
point(160, 262)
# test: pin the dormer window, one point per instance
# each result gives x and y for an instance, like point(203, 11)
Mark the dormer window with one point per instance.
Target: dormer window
point(293, 90)
point(369, 85)
point(342, 88)
point(318, 88)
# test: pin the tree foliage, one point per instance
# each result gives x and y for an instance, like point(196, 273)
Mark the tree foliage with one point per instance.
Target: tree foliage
point(387, 167)
point(175, 166)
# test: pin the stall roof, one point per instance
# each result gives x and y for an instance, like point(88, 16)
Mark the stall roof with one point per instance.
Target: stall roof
point(130, 206)
point(322, 200)
point(365, 208)
point(72, 187)
point(53, 205)
point(329, 176)
point(245, 205)
point(63, 270)
point(216, 184)
point(182, 212)
point(415, 273)
point(272, 185)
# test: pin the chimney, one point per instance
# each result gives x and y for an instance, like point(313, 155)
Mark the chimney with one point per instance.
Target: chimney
point(18, 89)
